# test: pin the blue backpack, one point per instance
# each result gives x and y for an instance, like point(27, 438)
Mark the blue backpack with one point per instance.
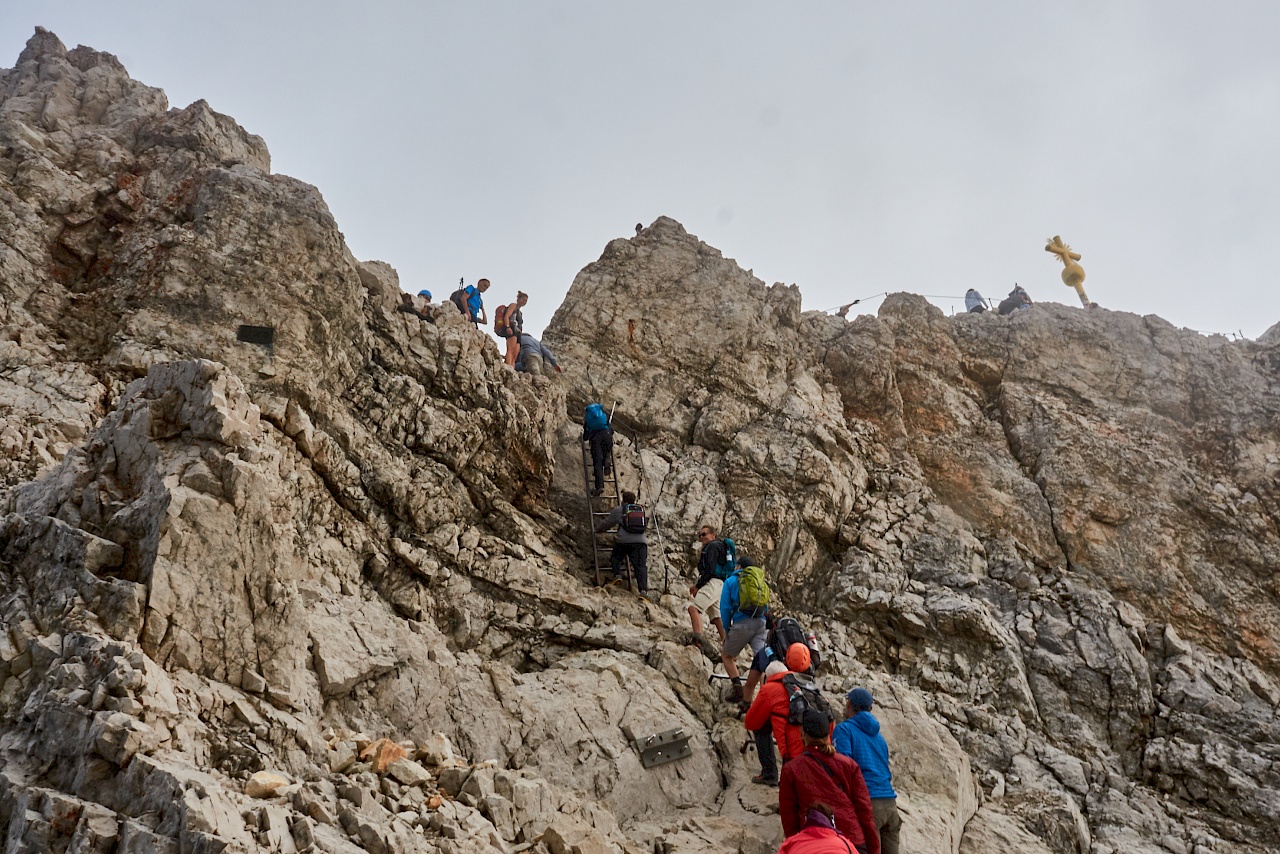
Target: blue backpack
point(595, 419)
point(725, 568)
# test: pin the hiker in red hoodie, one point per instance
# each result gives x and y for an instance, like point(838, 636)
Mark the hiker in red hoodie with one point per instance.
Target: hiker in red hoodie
point(769, 713)
point(820, 775)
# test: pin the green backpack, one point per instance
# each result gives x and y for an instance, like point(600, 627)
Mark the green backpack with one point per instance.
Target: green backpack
point(753, 590)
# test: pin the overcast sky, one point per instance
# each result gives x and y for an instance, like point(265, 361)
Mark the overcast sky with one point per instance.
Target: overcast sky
point(851, 148)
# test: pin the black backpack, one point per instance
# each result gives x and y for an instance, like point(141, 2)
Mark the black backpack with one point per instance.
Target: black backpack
point(803, 694)
point(459, 298)
point(633, 520)
point(787, 631)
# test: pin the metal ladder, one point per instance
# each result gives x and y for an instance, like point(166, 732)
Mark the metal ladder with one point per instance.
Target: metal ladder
point(610, 498)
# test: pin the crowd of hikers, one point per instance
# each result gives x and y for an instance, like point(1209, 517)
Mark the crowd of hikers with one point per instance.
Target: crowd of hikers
point(835, 790)
point(522, 351)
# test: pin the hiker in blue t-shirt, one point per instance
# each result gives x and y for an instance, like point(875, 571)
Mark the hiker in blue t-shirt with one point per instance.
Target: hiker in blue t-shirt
point(475, 303)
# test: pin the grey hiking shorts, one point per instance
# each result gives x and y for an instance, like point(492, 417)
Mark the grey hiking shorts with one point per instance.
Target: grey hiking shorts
point(749, 632)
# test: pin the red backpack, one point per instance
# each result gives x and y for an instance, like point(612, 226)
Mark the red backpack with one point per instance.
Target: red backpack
point(500, 320)
point(633, 520)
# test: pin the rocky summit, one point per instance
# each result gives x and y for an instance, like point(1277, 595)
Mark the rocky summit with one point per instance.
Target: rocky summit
point(285, 569)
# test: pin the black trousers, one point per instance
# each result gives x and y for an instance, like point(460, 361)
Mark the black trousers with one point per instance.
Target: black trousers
point(601, 442)
point(764, 749)
point(637, 554)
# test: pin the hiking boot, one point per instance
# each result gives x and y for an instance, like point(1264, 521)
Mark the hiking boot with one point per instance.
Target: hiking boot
point(735, 693)
point(695, 639)
point(765, 781)
point(597, 492)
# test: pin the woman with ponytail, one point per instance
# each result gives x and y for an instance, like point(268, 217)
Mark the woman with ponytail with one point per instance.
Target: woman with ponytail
point(821, 776)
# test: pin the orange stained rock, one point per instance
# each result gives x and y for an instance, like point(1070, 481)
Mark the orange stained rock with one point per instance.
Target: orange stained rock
point(382, 753)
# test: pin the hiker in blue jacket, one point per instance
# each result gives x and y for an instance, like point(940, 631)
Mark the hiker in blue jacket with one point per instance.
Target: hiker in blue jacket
point(742, 627)
point(858, 737)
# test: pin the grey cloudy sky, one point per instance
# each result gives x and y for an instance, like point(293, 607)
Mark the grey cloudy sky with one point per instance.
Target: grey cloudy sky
point(851, 148)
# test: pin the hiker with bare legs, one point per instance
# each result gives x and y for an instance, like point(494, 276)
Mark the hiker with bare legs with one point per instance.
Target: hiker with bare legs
point(716, 562)
point(744, 601)
point(599, 435)
point(508, 322)
point(631, 545)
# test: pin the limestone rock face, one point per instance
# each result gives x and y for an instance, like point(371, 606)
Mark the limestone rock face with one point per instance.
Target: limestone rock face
point(333, 594)
point(1038, 522)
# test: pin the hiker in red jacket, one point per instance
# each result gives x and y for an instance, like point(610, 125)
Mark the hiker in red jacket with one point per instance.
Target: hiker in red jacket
point(818, 836)
point(820, 775)
point(770, 711)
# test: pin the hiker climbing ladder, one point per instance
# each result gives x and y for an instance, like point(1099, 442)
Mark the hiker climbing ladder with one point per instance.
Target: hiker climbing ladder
point(598, 506)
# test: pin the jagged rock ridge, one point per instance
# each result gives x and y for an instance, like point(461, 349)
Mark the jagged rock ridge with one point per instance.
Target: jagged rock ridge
point(1047, 543)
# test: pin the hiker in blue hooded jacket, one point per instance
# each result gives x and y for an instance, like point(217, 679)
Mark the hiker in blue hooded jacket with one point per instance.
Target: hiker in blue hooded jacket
point(858, 737)
point(742, 627)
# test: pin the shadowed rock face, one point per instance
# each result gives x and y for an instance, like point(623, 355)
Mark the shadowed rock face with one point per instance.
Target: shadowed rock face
point(1047, 543)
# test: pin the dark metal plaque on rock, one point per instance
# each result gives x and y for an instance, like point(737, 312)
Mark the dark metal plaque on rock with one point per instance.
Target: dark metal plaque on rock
point(263, 336)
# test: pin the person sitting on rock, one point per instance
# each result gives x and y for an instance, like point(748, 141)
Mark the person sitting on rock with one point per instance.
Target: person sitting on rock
point(767, 718)
point(818, 834)
point(706, 589)
point(744, 626)
point(631, 545)
point(820, 775)
point(1017, 298)
point(536, 358)
point(858, 737)
point(973, 302)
